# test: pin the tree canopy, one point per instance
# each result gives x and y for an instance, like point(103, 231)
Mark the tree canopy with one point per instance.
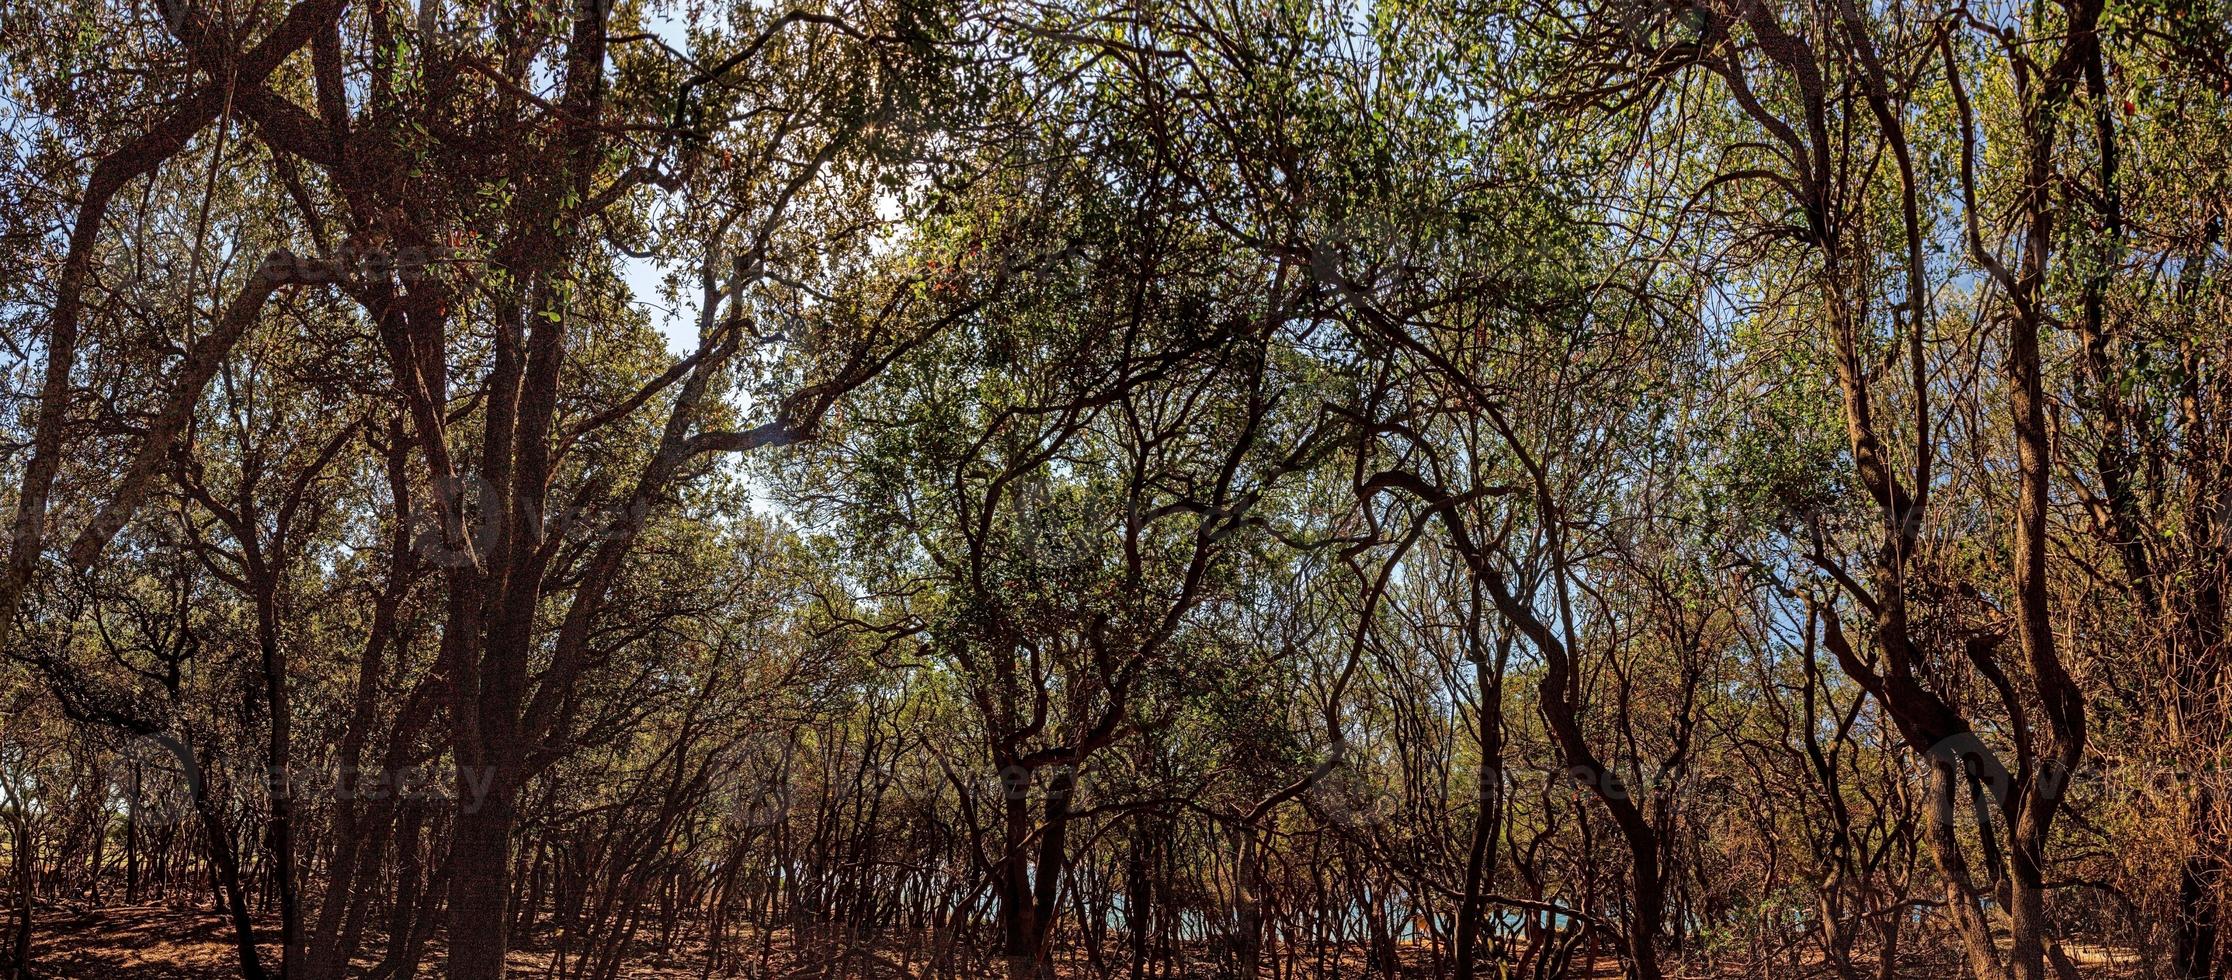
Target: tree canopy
point(958, 488)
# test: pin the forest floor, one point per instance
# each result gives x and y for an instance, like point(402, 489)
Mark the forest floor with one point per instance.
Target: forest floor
point(162, 942)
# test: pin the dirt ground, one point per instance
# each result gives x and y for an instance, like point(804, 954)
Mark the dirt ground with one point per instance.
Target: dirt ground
point(161, 942)
point(149, 942)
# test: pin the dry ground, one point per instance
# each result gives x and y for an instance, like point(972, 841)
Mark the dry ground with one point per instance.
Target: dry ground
point(161, 942)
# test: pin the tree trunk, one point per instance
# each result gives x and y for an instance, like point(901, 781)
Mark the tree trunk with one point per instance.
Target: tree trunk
point(480, 880)
point(280, 783)
point(223, 861)
point(1480, 858)
point(1016, 913)
point(1247, 901)
point(2196, 954)
point(19, 955)
point(1960, 893)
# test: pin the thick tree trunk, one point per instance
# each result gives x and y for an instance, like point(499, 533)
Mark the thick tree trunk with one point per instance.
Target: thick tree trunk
point(1139, 898)
point(1016, 912)
point(1480, 858)
point(223, 861)
point(1887, 968)
point(2196, 955)
point(1960, 893)
point(1247, 901)
point(1647, 912)
point(1053, 859)
point(1027, 894)
point(19, 952)
point(480, 880)
point(280, 784)
point(131, 838)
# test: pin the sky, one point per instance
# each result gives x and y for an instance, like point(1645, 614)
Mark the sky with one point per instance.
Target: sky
point(678, 323)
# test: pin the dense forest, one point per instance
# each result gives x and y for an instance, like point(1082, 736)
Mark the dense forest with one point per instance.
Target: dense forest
point(595, 489)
